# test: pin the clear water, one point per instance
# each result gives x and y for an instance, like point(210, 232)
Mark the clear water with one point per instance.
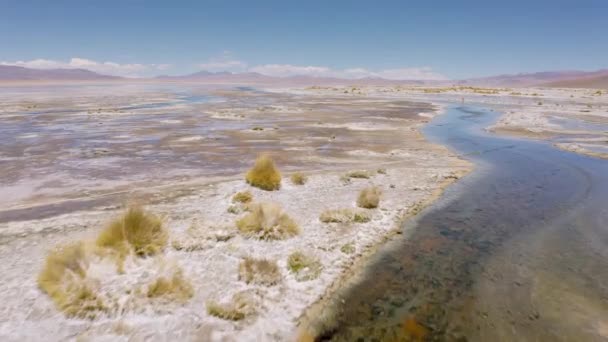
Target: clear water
point(516, 251)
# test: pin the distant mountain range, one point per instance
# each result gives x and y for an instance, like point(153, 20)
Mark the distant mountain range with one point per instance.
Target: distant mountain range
point(579, 79)
point(17, 73)
point(256, 78)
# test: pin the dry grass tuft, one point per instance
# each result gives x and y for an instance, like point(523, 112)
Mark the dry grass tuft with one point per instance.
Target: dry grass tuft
point(344, 216)
point(242, 197)
point(369, 198)
point(259, 271)
point(241, 306)
point(137, 231)
point(359, 174)
point(264, 174)
point(336, 216)
point(304, 267)
point(361, 217)
point(64, 279)
point(174, 288)
point(348, 248)
point(234, 209)
point(299, 178)
point(267, 221)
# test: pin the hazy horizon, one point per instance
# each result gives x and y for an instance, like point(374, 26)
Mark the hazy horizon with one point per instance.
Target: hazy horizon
point(442, 40)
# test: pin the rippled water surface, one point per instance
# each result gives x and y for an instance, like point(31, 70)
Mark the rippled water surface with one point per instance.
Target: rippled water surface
point(516, 251)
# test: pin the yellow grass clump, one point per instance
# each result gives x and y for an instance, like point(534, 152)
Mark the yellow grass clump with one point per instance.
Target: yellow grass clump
point(298, 178)
point(359, 174)
point(344, 216)
point(259, 271)
point(267, 221)
point(242, 197)
point(241, 306)
point(369, 198)
point(336, 216)
point(175, 288)
point(304, 267)
point(348, 248)
point(137, 231)
point(64, 279)
point(264, 174)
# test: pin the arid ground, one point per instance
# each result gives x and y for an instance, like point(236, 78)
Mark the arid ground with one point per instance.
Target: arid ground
point(72, 158)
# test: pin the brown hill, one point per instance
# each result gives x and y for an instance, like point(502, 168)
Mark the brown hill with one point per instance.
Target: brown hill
point(17, 73)
point(547, 78)
point(597, 82)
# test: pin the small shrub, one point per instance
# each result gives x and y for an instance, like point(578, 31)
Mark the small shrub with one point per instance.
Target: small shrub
point(369, 198)
point(304, 267)
point(336, 216)
point(381, 171)
point(176, 287)
point(361, 217)
point(359, 174)
point(242, 197)
point(259, 271)
point(267, 221)
point(264, 174)
point(344, 216)
point(345, 179)
point(258, 128)
point(136, 230)
point(64, 279)
point(241, 306)
point(298, 178)
point(234, 209)
point(348, 248)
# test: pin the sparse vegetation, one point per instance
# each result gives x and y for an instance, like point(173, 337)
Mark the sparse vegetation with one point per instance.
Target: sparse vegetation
point(234, 209)
point(175, 288)
point(345, 179)
point(361, 217)
point(359, 174)
point(259, 271)
point(381, 171)
point(348, 248)
point(344, 215)
point(64, 279)
point(264, 174)
point(298, 178)
point(336, 216)
point(137, 231)
point(242, 197)
point(241, 306)
point(267, 221)
point(369, 198)
point(304, 267)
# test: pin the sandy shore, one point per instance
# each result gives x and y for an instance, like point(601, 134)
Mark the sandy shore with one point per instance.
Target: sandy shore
point(204, 241)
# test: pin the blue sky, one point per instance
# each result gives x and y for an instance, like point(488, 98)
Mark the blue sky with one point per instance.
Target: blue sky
point(394, 39)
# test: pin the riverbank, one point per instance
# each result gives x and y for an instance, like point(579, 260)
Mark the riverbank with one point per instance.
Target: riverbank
point(484, 262)
point(204, 242)
point(574, 120)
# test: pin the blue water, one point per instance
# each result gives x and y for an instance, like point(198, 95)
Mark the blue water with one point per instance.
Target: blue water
point(477, 265)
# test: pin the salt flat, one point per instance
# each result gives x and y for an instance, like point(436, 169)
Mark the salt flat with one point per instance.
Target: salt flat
point(73, 159)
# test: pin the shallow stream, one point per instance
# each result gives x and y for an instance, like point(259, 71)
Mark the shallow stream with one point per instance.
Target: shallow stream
point(515, 251)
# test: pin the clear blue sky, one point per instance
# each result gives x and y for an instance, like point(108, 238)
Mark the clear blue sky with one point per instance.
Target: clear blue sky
point(455, 38)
